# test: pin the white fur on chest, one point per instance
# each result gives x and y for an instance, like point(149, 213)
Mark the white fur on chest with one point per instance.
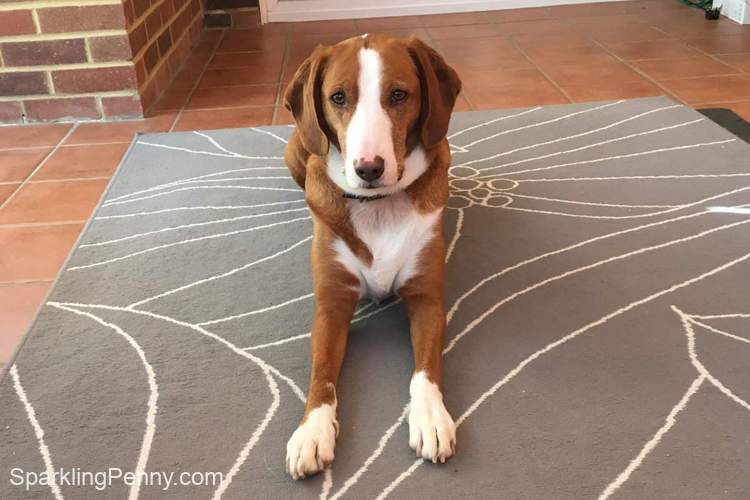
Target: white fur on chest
point(395, 233)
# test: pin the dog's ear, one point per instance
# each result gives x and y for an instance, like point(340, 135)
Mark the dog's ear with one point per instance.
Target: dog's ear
point(440, 86)
point(302, 99)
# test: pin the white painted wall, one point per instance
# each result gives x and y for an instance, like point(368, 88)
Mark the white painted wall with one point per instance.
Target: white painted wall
point(308, 10)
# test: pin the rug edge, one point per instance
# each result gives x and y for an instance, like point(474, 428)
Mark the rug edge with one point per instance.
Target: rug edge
point(30, 328)
point(663, 98)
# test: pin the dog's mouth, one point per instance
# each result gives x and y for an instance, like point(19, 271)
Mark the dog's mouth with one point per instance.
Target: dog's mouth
point(370, 185)
point(377, 184)
point(367, 191)
point(362, 197)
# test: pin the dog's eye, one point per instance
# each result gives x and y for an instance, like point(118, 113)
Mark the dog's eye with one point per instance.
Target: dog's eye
point(338, 98)
point(398, 95)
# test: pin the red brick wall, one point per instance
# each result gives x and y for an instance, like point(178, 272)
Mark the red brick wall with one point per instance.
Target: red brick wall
point(91, 59)
point(161, 33)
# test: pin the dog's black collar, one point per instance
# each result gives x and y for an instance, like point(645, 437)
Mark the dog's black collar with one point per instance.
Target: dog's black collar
point(363, 198)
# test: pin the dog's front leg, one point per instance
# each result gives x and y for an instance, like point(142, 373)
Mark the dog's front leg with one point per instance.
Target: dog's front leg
point(432, 433)
point(310, 449)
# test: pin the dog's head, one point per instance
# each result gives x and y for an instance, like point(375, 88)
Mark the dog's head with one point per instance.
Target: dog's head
point(368, 103)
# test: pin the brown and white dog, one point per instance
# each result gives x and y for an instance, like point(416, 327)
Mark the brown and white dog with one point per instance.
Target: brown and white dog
point(370, 152)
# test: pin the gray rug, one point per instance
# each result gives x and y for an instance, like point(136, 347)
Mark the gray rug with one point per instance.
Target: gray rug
point(598, 339)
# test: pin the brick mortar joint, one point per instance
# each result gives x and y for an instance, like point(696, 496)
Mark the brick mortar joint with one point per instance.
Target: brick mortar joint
point(198, 19)
point(70, 35)
point(165, 26)
point(50, 82)
point(232, 10)
point(87, 49)
point(163, 60)
point(65, 67)
point(57, 97)
point(44, 4)
point(144, 16)
point(35, 18)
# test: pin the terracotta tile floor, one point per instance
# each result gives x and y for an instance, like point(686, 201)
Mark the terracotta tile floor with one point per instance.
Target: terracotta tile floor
point(52, 175)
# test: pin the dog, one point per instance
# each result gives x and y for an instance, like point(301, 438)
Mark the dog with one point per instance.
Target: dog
point(370, 152)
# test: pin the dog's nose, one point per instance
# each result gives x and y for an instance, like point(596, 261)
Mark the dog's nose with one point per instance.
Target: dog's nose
point(369, 170)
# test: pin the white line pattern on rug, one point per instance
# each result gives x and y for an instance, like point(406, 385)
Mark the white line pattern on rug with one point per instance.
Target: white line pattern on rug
point(565, 138)
point(593, 145)
point(539, 124)
point(153, 398)
point(693, 320)
point(188, 226)
point(197, 188)
point(479, 319)
point(269, 133)
point(637, 177)
point(474, 406)
point(256, 311)
point(703, 375)
point(196, 208)
point(486, 193)
point(306, 335)
point(49, 468)
point(721, 316)
point(579, 244)
point(622, 156)
point(220, 275)
point(180, 182)
point(577, 270)
point(265, 367)
point(593, 204)
point(209, 153)
point(687, 324)
point(654, 441)
point(184, 242)
point(490, 122)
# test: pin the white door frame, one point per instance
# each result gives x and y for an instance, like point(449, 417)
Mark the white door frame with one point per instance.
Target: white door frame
point(263, 8)
point(313, 10)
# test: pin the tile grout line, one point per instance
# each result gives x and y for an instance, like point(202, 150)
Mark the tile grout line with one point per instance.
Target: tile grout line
point(539, 68)
point(230, 86)
point(197, 81)
point(60, 179)
point(644, 75)
point(716, 58)
point(42, 224)
point(111, 143)
point(718, 75)
point(72, 179)
point(22, 148)
point(74, 145)
point(725, 101)
point(39, 166)
point(434, 43)
point(223, 108)
point(282, 73)
point(26, 282)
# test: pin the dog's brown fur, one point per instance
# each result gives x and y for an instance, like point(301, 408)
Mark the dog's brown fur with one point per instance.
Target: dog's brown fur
point(422, 121)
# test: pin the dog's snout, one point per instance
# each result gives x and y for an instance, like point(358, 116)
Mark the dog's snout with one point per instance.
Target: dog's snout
point(369, 170)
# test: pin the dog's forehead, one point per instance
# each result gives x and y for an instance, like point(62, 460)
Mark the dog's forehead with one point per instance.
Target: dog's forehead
point(395, 59)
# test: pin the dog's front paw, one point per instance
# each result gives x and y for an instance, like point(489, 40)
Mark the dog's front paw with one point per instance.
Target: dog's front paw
point(310, 449)
point(432, 433)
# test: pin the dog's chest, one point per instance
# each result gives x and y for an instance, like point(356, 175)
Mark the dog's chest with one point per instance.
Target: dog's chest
point(395, 232)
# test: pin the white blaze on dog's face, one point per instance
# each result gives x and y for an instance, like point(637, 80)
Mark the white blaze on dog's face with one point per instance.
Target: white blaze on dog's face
point(368, 144)
point(372, 99)
point(369, 104)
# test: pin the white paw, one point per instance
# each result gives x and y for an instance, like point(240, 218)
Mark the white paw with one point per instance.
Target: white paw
point(310, 449)
point(432, 433)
